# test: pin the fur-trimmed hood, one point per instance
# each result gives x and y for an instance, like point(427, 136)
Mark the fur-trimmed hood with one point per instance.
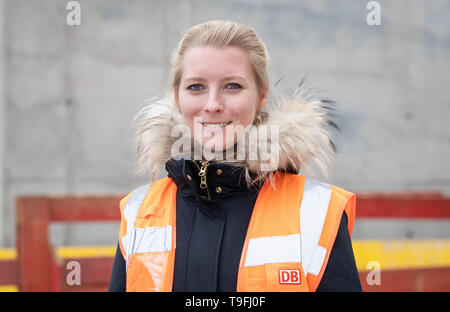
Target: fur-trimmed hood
point(302, 138)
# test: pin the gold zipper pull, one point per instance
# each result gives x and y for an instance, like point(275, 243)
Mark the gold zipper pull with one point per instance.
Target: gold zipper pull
point(202, 174)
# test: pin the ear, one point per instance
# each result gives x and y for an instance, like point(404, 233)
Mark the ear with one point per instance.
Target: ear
point(263, 99)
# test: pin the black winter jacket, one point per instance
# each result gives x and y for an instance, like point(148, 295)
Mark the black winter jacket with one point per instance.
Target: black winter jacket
point(211, 234)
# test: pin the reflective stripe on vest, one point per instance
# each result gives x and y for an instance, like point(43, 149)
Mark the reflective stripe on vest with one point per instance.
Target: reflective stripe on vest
point(288, 242)
point(313, 210)
point(129, 213)
point(273, 249)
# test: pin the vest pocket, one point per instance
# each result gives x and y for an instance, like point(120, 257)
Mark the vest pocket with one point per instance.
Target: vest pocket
point(255, 278)
point(146, 271)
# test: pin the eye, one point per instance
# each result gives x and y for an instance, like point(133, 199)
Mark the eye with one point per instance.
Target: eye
point(195, 87)
point(234, 86)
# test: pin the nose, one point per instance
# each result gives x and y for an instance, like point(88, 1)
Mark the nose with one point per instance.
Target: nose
point(214, 104)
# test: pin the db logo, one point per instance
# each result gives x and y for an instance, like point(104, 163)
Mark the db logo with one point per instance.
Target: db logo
point(289, 276)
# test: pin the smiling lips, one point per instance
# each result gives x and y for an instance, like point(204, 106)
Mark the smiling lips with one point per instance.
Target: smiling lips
point(215, 124)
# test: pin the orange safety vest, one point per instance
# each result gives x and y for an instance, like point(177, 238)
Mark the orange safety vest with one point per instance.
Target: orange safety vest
point(288, 243)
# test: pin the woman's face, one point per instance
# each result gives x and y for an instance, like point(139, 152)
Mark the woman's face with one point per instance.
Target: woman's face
point(217, 92)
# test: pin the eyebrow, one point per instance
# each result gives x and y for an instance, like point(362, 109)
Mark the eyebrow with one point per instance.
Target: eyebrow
point(224, 79)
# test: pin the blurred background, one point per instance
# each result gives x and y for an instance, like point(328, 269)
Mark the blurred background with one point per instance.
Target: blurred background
point(74, 73)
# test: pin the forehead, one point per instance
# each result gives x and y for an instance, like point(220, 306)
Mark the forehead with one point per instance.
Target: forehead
point(215, 62)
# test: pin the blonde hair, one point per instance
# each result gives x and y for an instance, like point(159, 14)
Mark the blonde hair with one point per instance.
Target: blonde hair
point(219, 33)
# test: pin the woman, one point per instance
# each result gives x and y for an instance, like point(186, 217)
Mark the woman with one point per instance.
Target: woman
point(233, 214)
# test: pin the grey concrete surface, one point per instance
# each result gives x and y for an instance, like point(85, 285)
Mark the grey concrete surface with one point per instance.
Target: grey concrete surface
point(2, 119)
point(71, 91)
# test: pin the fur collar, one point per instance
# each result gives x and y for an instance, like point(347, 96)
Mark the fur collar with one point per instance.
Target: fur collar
point(303, 137)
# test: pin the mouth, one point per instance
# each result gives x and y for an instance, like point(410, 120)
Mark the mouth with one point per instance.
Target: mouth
point(215, 124)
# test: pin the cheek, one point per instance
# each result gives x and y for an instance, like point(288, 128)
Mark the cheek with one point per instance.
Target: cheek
point(244, 110)
point(189, 107)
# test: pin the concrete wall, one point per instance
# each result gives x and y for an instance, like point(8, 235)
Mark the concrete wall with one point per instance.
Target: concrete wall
point(71, 92)
point(2, 119)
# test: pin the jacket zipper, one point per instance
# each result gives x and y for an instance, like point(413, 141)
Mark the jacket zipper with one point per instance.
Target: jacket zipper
point(202, 174)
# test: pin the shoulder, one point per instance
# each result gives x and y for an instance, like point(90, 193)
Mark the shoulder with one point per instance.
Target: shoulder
point(317, 185)
point(136, 194)
point(310, 183)
point(335, 193)
point(135, 197)
point(319, 190)
point(327, 199)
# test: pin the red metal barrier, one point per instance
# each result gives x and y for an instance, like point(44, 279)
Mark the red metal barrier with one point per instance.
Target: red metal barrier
point(402, 205)
point(40, 270)
point(424, 279)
